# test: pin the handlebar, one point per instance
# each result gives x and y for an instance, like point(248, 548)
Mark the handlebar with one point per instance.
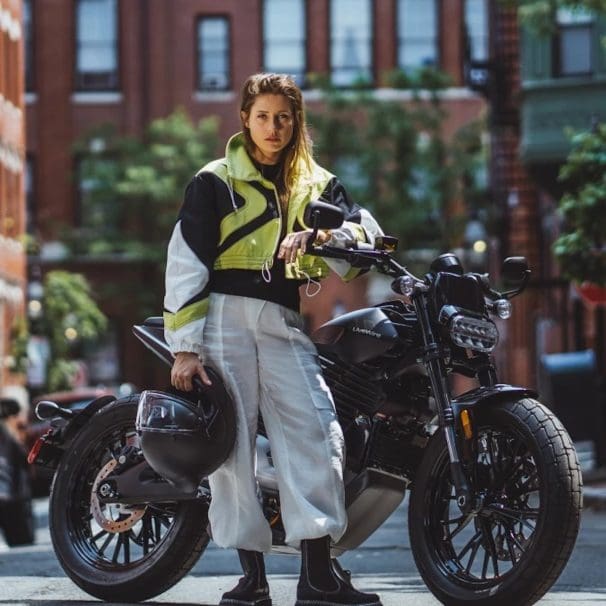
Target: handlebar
point(364, 256)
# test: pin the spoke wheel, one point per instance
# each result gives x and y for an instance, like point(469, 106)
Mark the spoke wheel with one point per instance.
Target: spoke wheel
point(484, 547)
point(118, 552)
point(524, 474)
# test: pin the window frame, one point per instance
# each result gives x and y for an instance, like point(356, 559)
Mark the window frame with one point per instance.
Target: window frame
point(486, 34)
point(305, 29)
point(371, 40)
point(31, 205)
point(79, 86)
point(198, 54)
point(29, 47)
point(590, 25)
point(436, 38)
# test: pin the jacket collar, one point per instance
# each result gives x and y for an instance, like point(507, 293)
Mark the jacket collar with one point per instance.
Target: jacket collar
point(240, 166)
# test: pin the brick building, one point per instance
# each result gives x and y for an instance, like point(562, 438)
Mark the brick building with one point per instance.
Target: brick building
point(12, 162)
point(545, 83)
point(128, 62)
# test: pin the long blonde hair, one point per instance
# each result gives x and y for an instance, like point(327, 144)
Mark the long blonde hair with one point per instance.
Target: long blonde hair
point(297, 155)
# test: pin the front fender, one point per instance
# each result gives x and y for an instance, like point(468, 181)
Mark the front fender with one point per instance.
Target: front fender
point(490, 395)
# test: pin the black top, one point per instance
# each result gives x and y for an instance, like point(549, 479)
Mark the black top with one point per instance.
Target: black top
point(250, 283)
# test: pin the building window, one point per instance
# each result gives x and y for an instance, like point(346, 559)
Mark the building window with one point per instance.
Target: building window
point(351, 42)
point(573, 43)
point(28, 31)
point(476, 27)
point(213, 54)
point(417, 33)
point(96, 45)
point(30, 196)
point(284, 38)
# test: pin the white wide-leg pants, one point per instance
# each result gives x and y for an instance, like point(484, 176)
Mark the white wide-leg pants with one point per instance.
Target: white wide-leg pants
point(269, 364)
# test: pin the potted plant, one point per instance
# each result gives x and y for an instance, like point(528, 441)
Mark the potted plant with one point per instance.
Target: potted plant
point(581, 247)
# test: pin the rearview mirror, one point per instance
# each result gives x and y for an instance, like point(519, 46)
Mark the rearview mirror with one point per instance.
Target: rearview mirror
point(8, 408)
point(514, 269)
point(320, 215)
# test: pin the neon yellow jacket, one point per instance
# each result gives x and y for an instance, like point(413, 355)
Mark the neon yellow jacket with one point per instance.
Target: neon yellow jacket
point(231, 219)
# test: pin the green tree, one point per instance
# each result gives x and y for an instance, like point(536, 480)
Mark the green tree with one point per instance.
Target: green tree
point(69, 317)
point(394, 159)
point(132, 188)
point(581, 247)
point(540, 14)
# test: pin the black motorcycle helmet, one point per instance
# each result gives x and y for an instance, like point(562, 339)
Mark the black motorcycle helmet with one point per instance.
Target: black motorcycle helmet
point(187, 436)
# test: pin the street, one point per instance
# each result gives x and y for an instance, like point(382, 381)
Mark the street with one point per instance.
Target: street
point(31, 576)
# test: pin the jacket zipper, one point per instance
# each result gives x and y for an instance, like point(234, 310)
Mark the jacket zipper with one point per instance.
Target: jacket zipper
point(268, 264)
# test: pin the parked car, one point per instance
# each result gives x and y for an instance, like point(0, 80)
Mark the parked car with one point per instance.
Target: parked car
point(16, 513)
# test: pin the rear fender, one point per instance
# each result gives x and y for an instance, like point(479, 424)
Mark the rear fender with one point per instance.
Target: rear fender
point(84, 416)
point(62, 432)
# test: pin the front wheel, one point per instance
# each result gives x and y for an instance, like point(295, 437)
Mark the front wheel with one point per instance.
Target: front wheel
point(524, 472)
point(118, 553)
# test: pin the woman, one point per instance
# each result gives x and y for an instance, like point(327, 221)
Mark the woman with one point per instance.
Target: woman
point(235, 264)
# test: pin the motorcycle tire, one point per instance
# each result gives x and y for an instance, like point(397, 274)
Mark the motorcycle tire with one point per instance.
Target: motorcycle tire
point(132, 553)
point(517, 540)
point(18, 526)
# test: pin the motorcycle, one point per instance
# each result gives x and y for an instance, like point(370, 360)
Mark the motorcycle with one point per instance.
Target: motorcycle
point(494, 481)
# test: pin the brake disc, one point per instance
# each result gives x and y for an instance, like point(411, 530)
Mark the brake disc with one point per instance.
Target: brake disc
point(113, 517)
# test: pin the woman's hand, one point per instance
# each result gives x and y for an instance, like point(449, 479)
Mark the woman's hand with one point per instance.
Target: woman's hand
point(297, 241)
point(186, 366)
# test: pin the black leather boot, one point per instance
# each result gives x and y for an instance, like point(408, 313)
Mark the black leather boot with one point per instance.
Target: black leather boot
point(252, 589)
point(319, 583)
point(344, 575)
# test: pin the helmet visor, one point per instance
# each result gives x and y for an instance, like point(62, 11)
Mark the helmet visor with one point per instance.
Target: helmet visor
point(162, 412)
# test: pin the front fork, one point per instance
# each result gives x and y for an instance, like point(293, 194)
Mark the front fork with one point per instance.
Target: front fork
point(434, 364)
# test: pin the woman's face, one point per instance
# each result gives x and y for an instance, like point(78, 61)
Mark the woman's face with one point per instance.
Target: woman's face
point(271, 124)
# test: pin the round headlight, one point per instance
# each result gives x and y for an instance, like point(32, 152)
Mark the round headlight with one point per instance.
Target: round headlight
point(502, 308)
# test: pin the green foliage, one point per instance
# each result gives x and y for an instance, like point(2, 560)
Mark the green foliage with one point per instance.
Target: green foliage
point(394, 159)
point(423, 79)
point(133, 188)
point(539, 15)
point(67, 305)
point(18, 345)
point(581, 248)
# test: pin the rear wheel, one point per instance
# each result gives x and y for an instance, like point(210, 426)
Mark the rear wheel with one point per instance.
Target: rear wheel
point(512, 548)
point(119, 553)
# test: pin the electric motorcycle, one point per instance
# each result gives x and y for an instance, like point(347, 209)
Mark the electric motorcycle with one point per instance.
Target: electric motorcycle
point(494, 481)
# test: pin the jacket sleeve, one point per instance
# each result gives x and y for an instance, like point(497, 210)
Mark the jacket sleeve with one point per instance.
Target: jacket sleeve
point(359, 226)
point(191, 255)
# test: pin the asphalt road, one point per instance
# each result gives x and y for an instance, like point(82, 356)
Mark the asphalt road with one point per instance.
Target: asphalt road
point(32, 576)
